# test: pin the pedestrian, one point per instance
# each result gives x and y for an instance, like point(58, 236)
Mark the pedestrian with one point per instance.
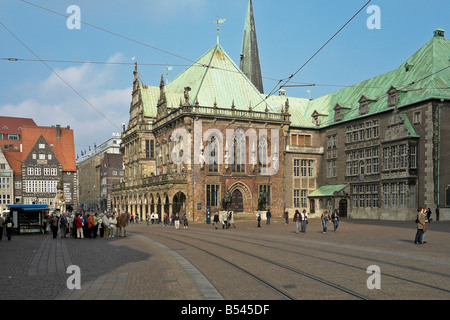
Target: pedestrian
point(79, 226)
point(335, 219)
point(101, 229)
point(428, 214)
point(123, 223)
point(325, 218)
point(304, 220)
point(231, 219)
point(216, 220)
point(9, 225)
point(97, 222)
point(105, 223)
point(54, 225)
point(147, 218)
point(224, 220)
point(176, 220)
point(156, 218)
point(90, 232)
point(297, 219)
point(421, 221)
point(185, 221)
point(112, 225)
point(63, 225)
point(286, 218)
point(69, 218)
point(268, 216)
point(85, 225)
point(258, 218)
point(2, 222)
point(74, 225)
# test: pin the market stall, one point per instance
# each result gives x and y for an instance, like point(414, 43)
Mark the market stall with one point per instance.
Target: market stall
point(29, 218)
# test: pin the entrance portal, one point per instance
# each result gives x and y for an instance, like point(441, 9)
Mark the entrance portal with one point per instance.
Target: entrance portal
point(343, 208)
point(237, 202)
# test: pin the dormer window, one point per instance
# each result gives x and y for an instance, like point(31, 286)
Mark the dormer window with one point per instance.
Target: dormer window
point(408, 67)
point(316, 117)
point(364, 105)
point(392, 97)
point(339, 112)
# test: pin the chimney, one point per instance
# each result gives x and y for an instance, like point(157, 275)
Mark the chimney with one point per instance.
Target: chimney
point(58, 131)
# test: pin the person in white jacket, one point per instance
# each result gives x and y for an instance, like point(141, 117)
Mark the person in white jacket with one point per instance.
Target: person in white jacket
point(112, 225)
point(105, 222)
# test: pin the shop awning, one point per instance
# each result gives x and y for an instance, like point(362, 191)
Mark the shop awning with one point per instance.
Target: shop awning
point(29, 207)
point(327, 191)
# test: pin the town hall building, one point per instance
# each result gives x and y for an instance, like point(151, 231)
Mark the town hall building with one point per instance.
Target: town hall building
point(373, 150)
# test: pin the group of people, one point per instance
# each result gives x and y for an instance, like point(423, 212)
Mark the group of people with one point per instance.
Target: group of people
point(301, 220)
point(227, 219)
point(153, 218)
point(89, 225)
point(176, 221)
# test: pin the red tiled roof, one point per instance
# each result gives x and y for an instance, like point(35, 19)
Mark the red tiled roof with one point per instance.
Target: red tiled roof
point(14, 159)
point(13, 125)
point(60, 139)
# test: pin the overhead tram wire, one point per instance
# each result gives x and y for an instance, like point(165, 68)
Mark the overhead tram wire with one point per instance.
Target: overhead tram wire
point(317, 52)
point(295, 84)
point(110, 32)
point(61, 78)
point(141, 43)
point(91, 62)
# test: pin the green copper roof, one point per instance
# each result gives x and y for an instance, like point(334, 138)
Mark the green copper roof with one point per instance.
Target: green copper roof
point(425, 75)
point(213, 79)
point(327, 191)
point(409, 126)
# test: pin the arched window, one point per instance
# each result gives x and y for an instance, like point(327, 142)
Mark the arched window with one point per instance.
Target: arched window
point(239, 152)
point(212, 152)
point(262, 155)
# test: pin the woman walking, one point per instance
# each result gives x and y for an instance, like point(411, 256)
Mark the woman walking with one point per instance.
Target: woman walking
point(422, 227)
point(304, 222)
point(325, 219)
point(9, 225)
point(335, 219)
point(297, 219)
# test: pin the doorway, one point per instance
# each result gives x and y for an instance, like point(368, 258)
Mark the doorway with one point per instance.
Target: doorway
point(343, 208)
point(237, 202)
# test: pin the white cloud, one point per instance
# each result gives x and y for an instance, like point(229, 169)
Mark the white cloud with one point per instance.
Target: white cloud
point(52, 102)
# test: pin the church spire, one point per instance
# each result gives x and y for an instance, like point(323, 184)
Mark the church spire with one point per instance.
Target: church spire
point(249, 63)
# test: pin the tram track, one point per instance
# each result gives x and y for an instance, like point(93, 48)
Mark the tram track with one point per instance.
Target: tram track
point(402, 271)
point(268, 284)
point(320, 258)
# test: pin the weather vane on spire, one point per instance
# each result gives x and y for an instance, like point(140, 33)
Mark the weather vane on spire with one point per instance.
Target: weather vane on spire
point(218, 22)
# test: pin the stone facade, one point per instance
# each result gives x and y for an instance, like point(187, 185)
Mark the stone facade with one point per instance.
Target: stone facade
point(371, 153)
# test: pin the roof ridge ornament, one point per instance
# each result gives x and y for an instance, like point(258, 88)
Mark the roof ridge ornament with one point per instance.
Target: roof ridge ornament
point(218, 21)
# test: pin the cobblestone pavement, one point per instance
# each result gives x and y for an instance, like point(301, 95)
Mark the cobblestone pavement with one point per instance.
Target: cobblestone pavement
point(144, 266)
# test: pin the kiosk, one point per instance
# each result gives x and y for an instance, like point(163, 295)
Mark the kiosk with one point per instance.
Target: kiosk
point(29, 218)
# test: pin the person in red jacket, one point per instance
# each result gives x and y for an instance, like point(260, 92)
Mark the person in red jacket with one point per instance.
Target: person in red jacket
point(79, 225)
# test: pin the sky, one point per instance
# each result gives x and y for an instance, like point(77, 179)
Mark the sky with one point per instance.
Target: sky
point(94, 98)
